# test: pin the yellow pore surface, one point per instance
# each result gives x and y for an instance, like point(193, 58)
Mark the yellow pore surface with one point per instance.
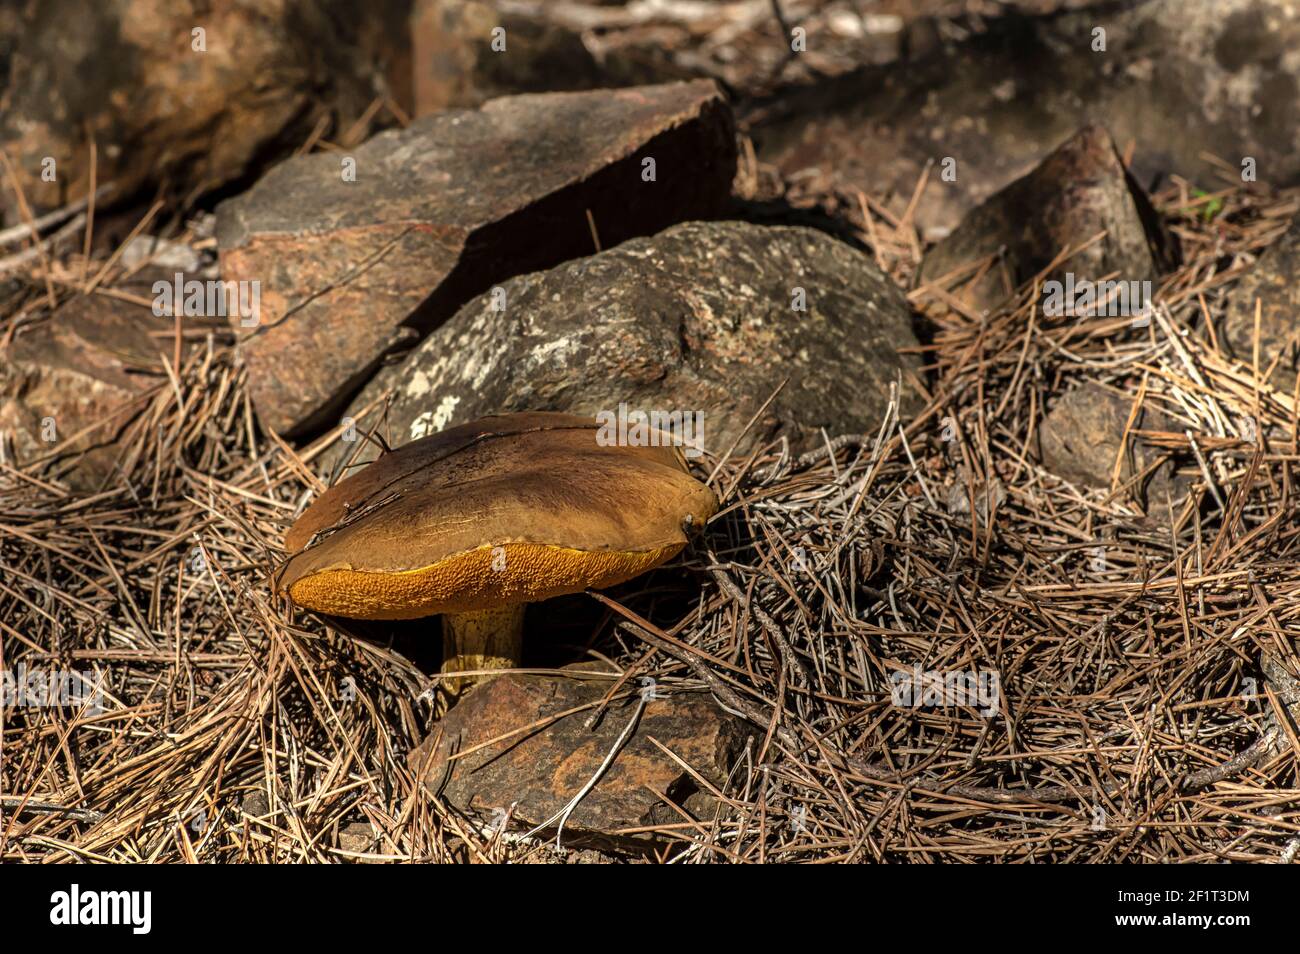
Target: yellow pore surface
point(473, 580)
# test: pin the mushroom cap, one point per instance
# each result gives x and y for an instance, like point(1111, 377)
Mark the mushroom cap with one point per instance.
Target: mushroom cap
point(508, 509)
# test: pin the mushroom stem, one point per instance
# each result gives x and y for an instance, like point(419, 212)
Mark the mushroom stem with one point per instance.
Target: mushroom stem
point(480, 639)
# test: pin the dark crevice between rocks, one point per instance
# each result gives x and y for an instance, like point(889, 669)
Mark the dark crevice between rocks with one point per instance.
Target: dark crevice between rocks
point(782, 212)
point(1166, 251)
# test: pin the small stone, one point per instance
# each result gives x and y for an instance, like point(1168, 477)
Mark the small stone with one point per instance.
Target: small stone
point(91, 363)
point(357, 838)
point(255, 804)
point(1078, 191)
point(532, 775)
point(1079, 440)
point(1275, 282)
point(165, 256)
point(989, 496)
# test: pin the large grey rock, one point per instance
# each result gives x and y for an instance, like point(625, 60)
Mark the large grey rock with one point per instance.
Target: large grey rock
point(350, 266)
point(699, 318)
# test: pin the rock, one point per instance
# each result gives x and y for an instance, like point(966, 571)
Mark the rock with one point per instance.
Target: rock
point(551, 46)
point(1275, 282)
point(359, 838)
point(1081, 189)
point(988, 495)
point(255, 804)
point(1079, 440)
point(532, 775)
point(444, 209)
point(1178, 78)
point(160, 256)
point(128, 74)
point(696, 319)
point(543, 45)
point(92, 362)
point(457, 66)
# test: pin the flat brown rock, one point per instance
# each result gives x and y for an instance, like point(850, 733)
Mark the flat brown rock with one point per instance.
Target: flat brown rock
point(1077, 192)
point(444, 209)
point(533, 774)
point(87, 365)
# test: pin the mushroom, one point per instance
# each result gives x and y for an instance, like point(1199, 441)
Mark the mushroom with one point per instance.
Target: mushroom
point(476, 521)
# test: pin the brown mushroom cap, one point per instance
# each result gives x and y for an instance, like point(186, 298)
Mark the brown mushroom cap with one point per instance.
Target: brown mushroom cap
point(421, 455)
point(418, 530)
